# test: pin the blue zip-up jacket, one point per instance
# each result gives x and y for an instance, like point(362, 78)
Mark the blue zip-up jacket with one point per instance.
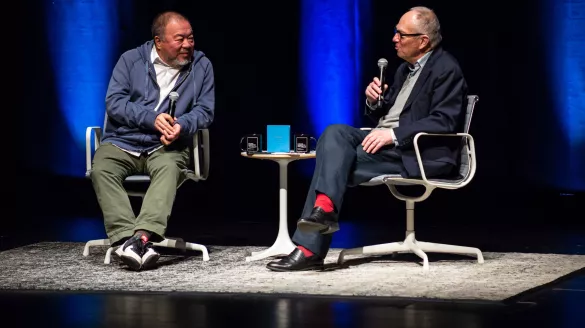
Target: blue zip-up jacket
point(133, 95)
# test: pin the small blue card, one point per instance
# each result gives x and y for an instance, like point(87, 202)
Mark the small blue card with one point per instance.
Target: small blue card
point(278, 138)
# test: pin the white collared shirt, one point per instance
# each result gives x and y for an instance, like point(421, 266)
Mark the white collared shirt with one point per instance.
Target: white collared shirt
point(166, 76)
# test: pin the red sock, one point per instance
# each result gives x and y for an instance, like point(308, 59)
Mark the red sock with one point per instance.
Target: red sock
point(305, 251)
point(324, 202)
point(144, 235)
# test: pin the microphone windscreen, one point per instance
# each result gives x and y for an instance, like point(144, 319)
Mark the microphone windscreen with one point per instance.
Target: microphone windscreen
point(382, 62)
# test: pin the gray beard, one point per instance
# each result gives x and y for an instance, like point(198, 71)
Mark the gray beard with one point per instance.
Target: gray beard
point(180, 63)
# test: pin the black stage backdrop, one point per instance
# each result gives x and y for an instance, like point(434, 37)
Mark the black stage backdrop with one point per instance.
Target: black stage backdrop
point(254, 49)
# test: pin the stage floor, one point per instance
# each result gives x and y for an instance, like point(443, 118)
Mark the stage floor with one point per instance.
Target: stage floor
point(560, 306)
point(531, 227)
point(503, 278)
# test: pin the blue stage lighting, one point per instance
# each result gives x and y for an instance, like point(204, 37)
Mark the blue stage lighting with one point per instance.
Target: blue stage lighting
point(330, 63)
point(330, 46)
point(83, 37)
point(568, 70)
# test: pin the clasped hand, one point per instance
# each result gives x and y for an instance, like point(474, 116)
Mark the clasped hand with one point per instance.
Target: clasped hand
point(377, 139)
point(167, 126)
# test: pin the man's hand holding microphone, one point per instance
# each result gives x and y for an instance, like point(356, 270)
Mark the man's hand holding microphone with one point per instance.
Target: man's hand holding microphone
point(374, 91)
point(168, 128)
point(377, 138)
point(166, 123)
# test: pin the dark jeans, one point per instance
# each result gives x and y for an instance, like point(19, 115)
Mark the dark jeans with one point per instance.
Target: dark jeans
point(342, 163)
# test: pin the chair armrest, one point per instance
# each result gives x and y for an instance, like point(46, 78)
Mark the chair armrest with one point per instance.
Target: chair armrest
point(201, 140)
point(472, 163)
point(97, 133)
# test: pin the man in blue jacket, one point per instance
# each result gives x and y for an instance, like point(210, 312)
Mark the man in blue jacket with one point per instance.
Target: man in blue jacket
point(427, 95)
point(140, 137)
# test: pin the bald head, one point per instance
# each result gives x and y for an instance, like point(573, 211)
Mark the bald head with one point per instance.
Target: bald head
point(427, 23)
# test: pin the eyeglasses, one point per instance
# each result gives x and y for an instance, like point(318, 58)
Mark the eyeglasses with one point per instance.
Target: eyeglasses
point(402, 35)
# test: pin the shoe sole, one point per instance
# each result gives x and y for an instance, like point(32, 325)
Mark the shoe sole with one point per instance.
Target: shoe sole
point(131, 262)
point(324, 229)
point(313, 268)
point(150, 262)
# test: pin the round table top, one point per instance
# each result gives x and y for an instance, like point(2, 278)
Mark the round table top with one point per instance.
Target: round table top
point(280, 155)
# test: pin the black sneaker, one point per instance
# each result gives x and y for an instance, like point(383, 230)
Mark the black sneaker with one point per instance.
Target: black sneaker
point(131, 253)
point(149, 257)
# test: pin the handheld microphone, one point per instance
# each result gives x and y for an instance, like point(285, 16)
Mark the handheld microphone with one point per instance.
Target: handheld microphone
point(173, 96)
point(382, 63)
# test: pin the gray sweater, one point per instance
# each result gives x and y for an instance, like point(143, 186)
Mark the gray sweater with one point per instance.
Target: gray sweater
point(390, 120)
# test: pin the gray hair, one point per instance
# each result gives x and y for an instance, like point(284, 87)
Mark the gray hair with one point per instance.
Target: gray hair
point(161, 21)
point(428, 23)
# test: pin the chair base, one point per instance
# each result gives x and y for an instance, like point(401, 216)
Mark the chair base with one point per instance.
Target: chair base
point(411, 245)
point(282, 246)
point(169, 243)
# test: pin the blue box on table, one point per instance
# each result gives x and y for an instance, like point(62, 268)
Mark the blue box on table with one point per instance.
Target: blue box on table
point(278, 138)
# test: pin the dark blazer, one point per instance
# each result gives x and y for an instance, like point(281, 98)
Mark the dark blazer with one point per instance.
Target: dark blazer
point(436, 105)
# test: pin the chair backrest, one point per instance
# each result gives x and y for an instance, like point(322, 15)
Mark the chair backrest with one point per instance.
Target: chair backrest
point(105, 122)
point(471, 101)
point(465, 151)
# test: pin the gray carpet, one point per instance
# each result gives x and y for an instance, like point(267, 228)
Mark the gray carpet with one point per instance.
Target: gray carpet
point(61, 266)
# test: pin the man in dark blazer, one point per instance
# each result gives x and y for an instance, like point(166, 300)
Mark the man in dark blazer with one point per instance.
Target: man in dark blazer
point(427, 95)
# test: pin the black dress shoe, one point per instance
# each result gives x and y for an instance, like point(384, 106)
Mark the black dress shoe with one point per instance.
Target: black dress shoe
point(319, 221)
point(296, 261)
